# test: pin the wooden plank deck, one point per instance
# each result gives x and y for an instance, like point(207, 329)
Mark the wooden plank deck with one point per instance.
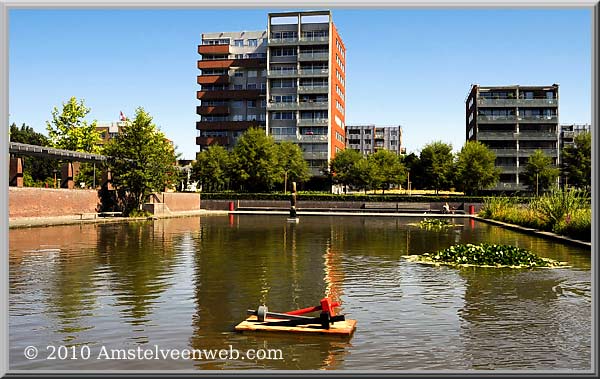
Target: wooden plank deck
point(340, 328)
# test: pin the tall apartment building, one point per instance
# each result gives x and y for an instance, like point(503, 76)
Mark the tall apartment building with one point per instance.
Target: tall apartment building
point(367, 139)
point(233, 86)
point(306, 84)
point(514, 121)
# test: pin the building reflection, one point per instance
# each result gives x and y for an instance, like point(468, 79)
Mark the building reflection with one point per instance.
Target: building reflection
point(286, 266)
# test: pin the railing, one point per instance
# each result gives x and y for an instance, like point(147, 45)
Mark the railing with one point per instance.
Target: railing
point(538, 118)
point(484, 118)
point(300, 138)
point(283, 41)
point(500, 102)
point(313, 56)
point(281, 73)
point(501, 135)
point(283, 105)
point(535, 135)
point(314, 104)
point(309, 40)
point(314, 72)
point(313, 89)
point(527, 152)
point(314, 155)
point(537, 102)
point(312, 121)
point(283, 58)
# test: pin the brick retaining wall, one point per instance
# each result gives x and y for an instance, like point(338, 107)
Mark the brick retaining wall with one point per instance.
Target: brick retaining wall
point(48, 202)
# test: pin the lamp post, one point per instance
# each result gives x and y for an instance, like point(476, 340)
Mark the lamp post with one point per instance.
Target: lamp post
point(55, 171)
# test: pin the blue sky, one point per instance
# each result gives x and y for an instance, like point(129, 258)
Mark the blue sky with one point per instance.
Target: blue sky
point(404, 66)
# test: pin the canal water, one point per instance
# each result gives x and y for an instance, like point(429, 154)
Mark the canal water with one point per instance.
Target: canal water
point(184, 283)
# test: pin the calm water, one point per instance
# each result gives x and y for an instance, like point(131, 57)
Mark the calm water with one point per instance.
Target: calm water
point(185, 283)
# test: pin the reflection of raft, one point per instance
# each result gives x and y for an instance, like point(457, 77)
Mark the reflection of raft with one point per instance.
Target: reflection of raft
point(296, 322)
point(341, 328)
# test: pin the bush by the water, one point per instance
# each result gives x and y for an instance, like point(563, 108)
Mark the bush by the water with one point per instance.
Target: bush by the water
point(486, 255)
point(565, 212)
point(434, 223)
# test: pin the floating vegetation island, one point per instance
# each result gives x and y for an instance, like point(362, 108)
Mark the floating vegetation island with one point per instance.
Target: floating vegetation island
point(435, 224)
point(485, 255)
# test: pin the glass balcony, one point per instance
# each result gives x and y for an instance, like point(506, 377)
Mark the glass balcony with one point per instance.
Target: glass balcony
point(496, 119)
point(283, 41)
point(313, 89)
point(531, 135)
point(320, 72)
point(312, 121)
point(282, 73)
point(314, 155)
point(314, 40)
point(313, 104)
point(485, 135)
point(313, 56)
point(538, 118)
point(537, 102)
point(484, 102)
point(300, 138)
point(283, 106)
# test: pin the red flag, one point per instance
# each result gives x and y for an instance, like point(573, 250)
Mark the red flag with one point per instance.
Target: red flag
point(123, 118)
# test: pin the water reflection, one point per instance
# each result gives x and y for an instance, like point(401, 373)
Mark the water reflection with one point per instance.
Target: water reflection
point(185, 283)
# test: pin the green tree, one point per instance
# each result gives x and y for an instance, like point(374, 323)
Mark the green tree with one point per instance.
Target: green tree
point(437, 161)
point(342, 167)
point(35, 170)
point(475, 168)
point(415, 171)
point(292, 165)
point(254, 161)
point(142, 161)
point(540, 173)
point(68, 129)
point(363, 174)
point(387, 169)
point(577, 162)
point(212, 168)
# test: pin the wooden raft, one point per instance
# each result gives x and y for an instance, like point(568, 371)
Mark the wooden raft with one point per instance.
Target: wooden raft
point(340, 328)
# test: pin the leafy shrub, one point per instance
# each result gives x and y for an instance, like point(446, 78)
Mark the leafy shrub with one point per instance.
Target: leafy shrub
point(434, 224)
point(554, 206)
point(576, 224)
point(486, 255)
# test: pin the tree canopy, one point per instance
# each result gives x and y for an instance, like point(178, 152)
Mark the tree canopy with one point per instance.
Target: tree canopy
point(577, 162)
point(68, 129)
point(475, 168)
point(36, 170)
point(142, 161)
point(437, 162)
point(540, 173)
point(212, 168)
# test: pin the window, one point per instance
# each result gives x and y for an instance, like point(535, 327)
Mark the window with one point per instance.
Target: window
point(263, 103)
point(238, 74)
point(238, 86)
point(252, 73)
point(251, 103)
point(238, 117)
point(253, 42)
point(239, 56)
point(237, 104)
point(284, 116)
point(251, 117)
point(239, 42)
point(263, 73)
point(251, 86)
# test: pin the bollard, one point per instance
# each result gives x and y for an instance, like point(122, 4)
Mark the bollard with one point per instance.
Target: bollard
point(231, 206)
point(471, 209)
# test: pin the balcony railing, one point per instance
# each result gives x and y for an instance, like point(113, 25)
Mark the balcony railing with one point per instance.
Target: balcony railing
point(537, 102)
point(314, 72)
point(313, 89)
point(314, 155)
point(496, 119)
point(549, 152)
point(291, 106)
point(313, 104)
point(283, 58)
point(283, 41)
point(313, 56)
point(537, 135)
point(538, 118)
point(495, 135)
point(282, 73)
point(312, 121)
point(484, 102)
point(314, 40)
point(301, 138)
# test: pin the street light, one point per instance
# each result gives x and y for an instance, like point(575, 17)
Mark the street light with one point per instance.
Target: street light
point(55, 171)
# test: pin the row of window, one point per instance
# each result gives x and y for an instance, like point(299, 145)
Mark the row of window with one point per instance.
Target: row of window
point(522, 112)
point(339, 107)
point(340, 93)
point(214, 57)
point(340, 63)
point(340, 77)
point(249, 103)
point(303, 115)
point(340, 48)
point(340, 137)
